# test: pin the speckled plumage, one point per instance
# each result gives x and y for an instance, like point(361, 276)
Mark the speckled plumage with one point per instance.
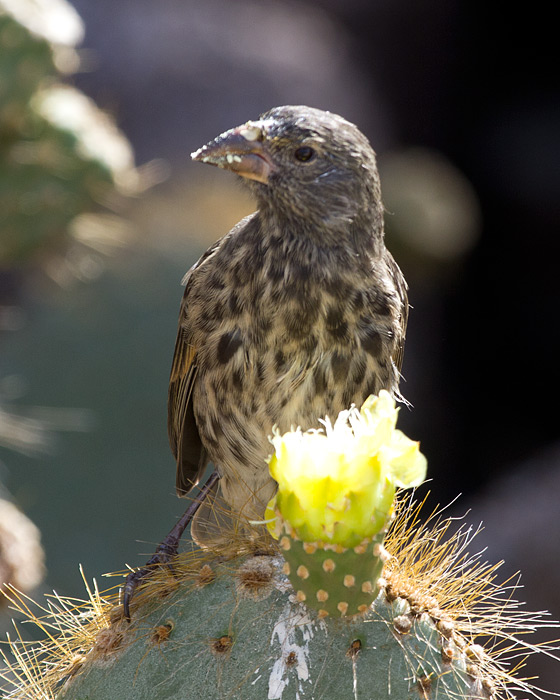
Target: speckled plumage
point(298, 312)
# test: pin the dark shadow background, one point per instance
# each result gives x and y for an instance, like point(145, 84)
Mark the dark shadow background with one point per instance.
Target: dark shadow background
point(466, 85)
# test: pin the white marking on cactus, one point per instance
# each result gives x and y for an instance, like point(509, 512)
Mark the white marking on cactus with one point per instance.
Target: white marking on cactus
point(354, 678)
point(257, 678)
point(293, 622)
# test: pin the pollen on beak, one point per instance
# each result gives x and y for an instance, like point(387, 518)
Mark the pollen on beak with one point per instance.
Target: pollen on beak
point(241, 150)
point(251, 132)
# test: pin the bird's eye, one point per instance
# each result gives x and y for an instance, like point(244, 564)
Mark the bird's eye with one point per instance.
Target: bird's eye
point(304, 154)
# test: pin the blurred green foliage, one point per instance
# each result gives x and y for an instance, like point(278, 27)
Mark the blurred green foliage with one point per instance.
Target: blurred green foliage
point(60, 156)
point(65, 168)
point(26, 60)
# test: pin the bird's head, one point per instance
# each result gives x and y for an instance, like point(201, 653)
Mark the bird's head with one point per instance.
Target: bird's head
point(306, 164)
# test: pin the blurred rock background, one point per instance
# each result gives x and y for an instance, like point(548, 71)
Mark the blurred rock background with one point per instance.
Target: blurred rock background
point(459, 99)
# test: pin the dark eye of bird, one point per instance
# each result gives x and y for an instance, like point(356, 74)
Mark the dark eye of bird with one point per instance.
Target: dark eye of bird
point(304, 153)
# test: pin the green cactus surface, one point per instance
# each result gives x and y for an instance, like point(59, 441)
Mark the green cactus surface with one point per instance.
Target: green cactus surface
point(229, 625)
point(236, 630)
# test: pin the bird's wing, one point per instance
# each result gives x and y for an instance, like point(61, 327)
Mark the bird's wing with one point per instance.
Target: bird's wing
point(184, 437)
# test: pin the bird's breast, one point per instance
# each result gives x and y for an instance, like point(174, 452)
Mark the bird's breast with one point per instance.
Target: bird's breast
point(293, 360)
point(283, 342)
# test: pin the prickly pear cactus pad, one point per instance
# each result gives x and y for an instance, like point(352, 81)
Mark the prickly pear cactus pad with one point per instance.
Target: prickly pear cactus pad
point(256, 641)
point(232, 627)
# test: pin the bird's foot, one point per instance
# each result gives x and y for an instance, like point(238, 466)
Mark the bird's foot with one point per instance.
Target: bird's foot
point(168, 548)
point(163, 556)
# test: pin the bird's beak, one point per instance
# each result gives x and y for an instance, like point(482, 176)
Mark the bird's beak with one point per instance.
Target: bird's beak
point(241, 150)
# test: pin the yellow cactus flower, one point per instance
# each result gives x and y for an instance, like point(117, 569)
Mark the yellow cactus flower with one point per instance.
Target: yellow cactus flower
point(337, 485)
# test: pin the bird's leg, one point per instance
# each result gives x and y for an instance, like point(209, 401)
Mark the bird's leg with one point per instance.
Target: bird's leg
point(166, 549)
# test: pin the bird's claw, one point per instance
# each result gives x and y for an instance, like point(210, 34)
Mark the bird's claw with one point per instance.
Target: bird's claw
point(163, 556)
point(167, 549)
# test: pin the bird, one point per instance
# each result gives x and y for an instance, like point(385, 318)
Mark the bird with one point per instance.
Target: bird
point(297, 313)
